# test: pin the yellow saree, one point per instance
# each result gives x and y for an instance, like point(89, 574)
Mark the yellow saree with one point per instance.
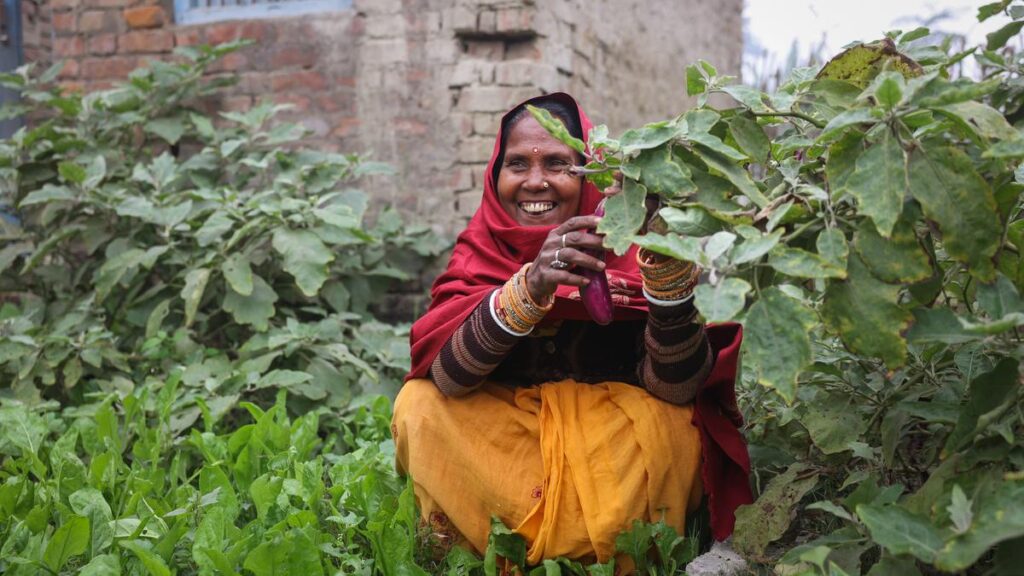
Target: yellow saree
point(568, 465)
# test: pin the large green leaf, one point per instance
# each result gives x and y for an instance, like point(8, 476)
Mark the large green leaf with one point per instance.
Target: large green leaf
point(841, 122)
point(778, 339)
point(305, 257)
point(998, 517)
point(679, 247)
point(694, 221)
point(47, 194)
point(102, 565)
point(649, 136)
point(989, 392)
point(71, 539)
point(938, 325)
point(898, 260)
point(661, 174)
point(767, 519)
point(192, 293)
point(90, 503)
point(22, 429)
point(803, 264)
point(1000, 298)
point(833, 423)
point(256, 309)
point(624, 214)
point(750, 137)
point(154, 564)
point(735, 173)
point(879, 183)
point(842, 161)
point(951, 192)
point(865, 314)
point(293, 554)
point(723, 301)
point(982, 118)
point(238, 273)
point(900, 531)
point(213, 228)
point(754, 245)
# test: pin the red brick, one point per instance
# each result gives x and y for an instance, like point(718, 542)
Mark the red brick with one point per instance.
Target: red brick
point(228, 31)
point(232, 62)
point(65, 22)
point(146, 42)
point(336, 102)
point(97, 21)
point(345, 127)
point(187, 37)
point(144, 17)
point(109, 67)
point(69, 87)
point(103, 44)
point(283, 57)
point(237, 103)
point(67, 47)
point(70, 70)
point(292, 81)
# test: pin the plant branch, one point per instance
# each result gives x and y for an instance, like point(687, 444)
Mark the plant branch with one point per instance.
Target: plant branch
point(791, 114)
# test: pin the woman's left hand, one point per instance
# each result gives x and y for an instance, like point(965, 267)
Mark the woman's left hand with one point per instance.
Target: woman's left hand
point(562, 255)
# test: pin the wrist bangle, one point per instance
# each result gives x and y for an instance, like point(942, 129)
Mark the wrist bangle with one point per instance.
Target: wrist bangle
point(666, 303)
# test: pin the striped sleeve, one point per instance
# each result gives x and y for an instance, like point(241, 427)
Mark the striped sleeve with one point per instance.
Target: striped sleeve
point(678, 357)
point(472, 353)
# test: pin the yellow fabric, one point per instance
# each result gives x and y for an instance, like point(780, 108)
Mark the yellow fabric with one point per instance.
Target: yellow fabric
point(569, 465)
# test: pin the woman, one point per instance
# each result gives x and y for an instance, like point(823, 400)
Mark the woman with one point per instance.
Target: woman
point(520, 407)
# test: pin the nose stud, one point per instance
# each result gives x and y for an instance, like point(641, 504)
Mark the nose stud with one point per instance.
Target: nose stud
point(546, 185)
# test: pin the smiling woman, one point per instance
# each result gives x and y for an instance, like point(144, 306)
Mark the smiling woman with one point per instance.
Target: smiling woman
point(534, 184)
point(519, 406)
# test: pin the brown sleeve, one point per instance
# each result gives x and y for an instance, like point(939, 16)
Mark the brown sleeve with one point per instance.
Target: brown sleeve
point(678, 357)
point(472, 353)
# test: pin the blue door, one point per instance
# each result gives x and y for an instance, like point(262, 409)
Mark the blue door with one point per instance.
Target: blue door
point(10, 56)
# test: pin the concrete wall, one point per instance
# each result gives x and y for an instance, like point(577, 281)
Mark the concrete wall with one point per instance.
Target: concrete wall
point(419, 83)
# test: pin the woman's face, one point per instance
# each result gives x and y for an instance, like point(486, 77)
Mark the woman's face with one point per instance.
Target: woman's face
point(533, 157)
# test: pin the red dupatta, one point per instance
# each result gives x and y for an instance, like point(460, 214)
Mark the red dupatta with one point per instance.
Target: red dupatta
point(494, 246)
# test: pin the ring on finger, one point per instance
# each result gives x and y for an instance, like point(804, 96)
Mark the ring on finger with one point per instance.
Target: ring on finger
point(557, 263)
point(563, 240)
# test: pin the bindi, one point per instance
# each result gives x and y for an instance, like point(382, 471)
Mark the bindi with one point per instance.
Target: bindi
point(535, 150)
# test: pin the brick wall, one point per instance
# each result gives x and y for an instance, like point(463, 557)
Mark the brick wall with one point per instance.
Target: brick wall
point(419, 83)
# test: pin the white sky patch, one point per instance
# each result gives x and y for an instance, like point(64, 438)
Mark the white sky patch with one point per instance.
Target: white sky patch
point(772, 26)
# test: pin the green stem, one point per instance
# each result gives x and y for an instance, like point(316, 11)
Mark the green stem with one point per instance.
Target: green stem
point(791, 114)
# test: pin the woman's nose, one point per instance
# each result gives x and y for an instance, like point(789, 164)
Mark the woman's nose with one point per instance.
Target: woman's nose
point(535, 179)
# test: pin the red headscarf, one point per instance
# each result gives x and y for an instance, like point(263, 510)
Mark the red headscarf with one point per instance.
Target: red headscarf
point(494, 246)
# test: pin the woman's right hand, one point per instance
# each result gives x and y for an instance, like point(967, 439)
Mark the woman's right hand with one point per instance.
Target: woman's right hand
point(568, 242)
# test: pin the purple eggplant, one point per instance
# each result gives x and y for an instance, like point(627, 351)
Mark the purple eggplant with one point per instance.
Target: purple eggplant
point(597, 298)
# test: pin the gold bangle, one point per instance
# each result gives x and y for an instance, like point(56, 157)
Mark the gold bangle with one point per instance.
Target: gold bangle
point(521, 319)
point(513, 321)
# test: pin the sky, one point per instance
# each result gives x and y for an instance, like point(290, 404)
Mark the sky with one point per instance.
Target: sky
point(772, 26)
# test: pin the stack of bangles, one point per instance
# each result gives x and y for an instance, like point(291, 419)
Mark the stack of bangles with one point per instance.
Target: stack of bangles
point(667, 281)
point(515, 308)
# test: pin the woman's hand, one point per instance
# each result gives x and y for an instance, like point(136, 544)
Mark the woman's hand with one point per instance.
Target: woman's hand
point(565, 244)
